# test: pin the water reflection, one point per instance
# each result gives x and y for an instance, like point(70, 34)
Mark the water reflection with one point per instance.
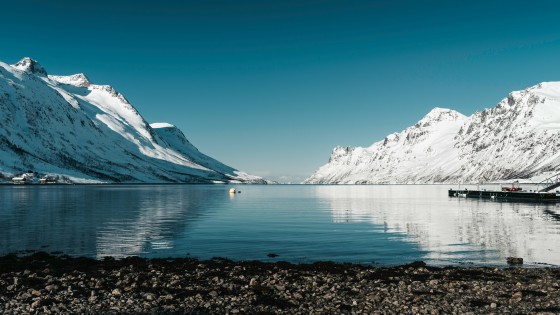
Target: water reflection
point(98, 221)
point(385, 224)
point(451, 229)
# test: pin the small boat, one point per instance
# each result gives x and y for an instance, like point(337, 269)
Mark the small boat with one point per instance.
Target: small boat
point(514, 187)
point(511, 189)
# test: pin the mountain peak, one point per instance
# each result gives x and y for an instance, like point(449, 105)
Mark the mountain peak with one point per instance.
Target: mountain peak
point(551, 89)
point(79, 79)
point(545, 85)
point(55, 125)
point(29, 65)
point(517, 139)
point(441, 114)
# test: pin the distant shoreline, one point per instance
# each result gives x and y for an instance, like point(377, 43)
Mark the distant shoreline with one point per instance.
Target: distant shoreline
point(44, 283)
point(250, 184)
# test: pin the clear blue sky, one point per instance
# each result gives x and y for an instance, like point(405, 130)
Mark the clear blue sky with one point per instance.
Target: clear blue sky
point(270, 87)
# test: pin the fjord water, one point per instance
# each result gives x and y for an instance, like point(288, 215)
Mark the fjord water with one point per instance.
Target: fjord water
point(376, 224)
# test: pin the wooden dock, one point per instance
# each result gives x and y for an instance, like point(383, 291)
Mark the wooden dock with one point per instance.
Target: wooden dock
point(535, 196)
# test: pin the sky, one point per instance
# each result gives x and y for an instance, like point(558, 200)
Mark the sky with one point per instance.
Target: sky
point(271, 87)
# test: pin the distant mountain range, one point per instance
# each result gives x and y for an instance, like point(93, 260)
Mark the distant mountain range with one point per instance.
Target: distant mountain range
point(67, 127)
point(517, 139)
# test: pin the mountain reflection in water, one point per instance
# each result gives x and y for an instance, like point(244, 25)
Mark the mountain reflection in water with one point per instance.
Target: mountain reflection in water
point(452, 229)
point(97, 221)
point(380, 224)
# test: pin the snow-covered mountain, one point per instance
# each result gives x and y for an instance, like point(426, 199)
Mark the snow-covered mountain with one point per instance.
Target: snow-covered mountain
point(69, 127)
point(517, 139)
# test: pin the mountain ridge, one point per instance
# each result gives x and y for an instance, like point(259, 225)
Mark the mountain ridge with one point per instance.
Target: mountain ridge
point(517, 139)
point(68, 126)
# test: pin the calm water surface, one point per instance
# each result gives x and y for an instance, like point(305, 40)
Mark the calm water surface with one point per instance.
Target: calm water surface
point(384, 225)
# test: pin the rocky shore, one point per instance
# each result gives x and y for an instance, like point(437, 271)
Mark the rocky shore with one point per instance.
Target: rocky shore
point(46, 284)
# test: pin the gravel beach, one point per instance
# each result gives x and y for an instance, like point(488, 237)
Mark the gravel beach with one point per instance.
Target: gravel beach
point(47, 284)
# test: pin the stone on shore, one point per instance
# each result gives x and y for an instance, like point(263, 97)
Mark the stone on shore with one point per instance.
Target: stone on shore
point(44, 284)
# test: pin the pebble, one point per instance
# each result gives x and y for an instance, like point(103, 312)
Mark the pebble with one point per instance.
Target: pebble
point(517, 296)
point(253, 282)
point(167, 286)
point(36, 304)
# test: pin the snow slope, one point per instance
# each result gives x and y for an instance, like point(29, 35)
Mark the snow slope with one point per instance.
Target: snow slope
point(65, 125)
point(517, 139)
